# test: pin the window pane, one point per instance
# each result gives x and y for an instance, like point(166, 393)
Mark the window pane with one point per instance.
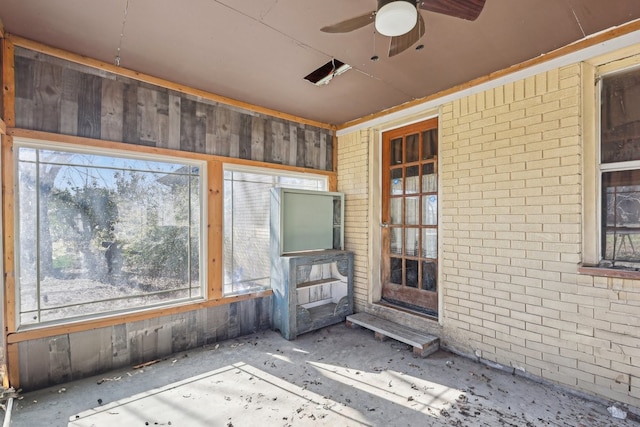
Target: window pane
point(413, 180)
point(621, 215)
point(411, 241)
point(396, 181)
point(429, 276)
point(430, 243)
point(429, 179)
point(413, 146)
point(396, 271)
point(620, 118)
point(396, 151)
point(395, 206)
point(429, 144)
point(396, 241)
point(430, 210)
point(411, 271)
point(412, 211)
point(246, 225)
point(113, 233)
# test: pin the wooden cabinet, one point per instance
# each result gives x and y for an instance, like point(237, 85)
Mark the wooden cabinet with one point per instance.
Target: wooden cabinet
point(311, 290)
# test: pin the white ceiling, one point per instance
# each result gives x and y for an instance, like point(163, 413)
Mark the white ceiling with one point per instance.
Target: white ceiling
point(258, 51)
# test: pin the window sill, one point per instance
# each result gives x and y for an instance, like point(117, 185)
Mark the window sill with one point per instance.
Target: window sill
point(610, 272)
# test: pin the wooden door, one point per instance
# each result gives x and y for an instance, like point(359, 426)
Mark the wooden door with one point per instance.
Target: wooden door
point(409, 268)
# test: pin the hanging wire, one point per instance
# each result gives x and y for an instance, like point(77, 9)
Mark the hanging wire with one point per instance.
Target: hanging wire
point(124, 21)
point(375, 57)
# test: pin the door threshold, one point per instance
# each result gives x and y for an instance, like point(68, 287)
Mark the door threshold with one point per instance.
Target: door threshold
point(409, 308)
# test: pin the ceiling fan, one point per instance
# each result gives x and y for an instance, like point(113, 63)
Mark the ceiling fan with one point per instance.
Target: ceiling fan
point(402, 21)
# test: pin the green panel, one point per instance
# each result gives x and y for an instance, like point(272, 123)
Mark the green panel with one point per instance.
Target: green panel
point(307, 222)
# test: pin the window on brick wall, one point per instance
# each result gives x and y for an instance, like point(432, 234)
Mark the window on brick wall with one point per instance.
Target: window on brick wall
point(620, 169)
point(246, 223)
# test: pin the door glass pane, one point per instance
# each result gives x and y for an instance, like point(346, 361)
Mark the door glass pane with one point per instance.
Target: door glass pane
point(430, 243)
point(412, 210)
point(429, 276)
point(430, 210)
point(396, 151)
point(429, 179)
point(395, 206)
point(396, 181)
point(429, 144)
point(396, 271)
point(412, 147)
point(413, 180)
point(411, 279)
point(396, 241)
point(411, 242)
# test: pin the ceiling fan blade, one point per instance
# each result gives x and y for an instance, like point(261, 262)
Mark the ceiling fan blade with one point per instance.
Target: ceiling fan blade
point(465, 9)
point(350, 24)
point(401, 43)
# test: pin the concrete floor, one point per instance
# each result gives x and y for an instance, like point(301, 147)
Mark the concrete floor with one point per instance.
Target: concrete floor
point(336, 376)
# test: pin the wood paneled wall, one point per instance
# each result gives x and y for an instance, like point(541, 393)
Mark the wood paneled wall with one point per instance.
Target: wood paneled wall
point(59, 96)
point(53, 360)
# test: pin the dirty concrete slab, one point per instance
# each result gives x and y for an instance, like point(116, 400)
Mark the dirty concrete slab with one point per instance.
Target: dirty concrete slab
point(335, 376)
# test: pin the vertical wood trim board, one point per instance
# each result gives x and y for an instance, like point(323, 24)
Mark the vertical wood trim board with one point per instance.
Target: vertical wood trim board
point(8, 83)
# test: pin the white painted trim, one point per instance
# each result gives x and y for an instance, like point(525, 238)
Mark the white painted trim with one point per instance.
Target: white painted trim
point(590, 52)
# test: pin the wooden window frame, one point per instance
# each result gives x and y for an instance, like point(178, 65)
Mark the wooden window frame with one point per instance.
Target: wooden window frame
point(267, 172)
point(214, 233)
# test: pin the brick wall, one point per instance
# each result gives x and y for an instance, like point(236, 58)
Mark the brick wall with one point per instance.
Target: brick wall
point(353, 173)
point(511, 236)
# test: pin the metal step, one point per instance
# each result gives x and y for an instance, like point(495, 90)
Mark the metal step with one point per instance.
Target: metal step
point(423, 344)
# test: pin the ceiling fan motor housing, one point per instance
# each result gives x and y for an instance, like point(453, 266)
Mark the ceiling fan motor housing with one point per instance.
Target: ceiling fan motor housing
point(396, 17)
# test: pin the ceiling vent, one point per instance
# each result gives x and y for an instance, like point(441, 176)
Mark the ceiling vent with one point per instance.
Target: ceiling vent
point(327, 72)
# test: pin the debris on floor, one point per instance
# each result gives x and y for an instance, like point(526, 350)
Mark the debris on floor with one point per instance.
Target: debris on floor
point(333, 376)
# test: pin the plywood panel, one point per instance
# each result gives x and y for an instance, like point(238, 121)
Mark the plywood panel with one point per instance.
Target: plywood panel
point(59, 359)
point(112, 110)
point(311, 148)
point(218, 322)
point(89, 105)
point(91, 352)
point(69, 103)
point(175, 105)
point(292, 158)
point(148, 116)
point(34, 364)
point(47, 96)
point(257, 138)
point(187, 125)
point(222, 141)
point(119, 345)
point(130, 115)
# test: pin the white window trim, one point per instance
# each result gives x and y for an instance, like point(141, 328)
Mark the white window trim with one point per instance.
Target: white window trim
point(593, 72)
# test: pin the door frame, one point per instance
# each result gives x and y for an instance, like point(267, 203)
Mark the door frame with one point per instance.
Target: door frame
point(374, 136)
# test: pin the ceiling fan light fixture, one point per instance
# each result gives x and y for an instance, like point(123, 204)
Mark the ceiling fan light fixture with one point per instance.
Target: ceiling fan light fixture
point(395, 18)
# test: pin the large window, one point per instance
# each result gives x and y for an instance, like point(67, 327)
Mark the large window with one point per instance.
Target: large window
point(246, 223)
point(102, 232)
point(620, 169)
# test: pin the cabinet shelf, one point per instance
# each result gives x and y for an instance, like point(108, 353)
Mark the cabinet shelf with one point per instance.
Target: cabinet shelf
point(301, 305)
point(318, 282)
